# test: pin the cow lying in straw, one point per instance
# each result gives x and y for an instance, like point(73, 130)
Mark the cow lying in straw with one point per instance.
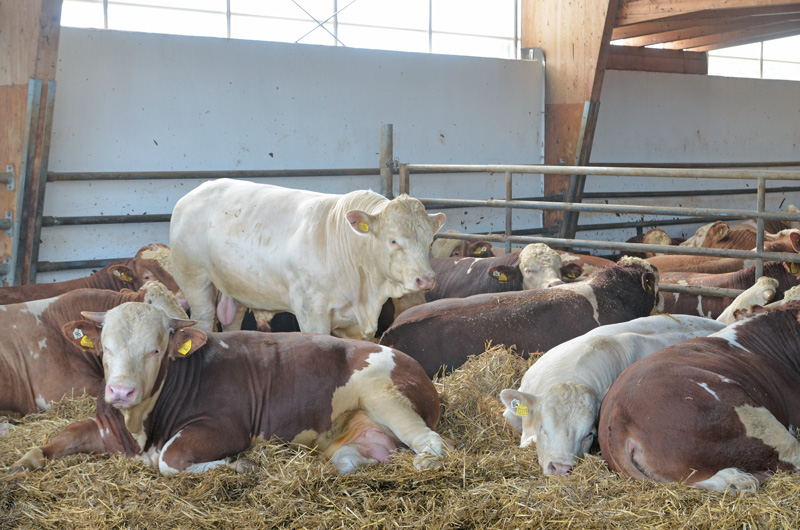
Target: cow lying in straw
point(171, 391)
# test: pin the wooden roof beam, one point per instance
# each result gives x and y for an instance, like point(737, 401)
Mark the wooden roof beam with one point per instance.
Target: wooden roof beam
point(657, 60)
point(689, 20)
point(637, 11)
point(725, 25)
point(726, 39)
point(742, 41)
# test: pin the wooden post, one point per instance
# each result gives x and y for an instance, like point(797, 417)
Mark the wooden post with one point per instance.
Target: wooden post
point(575, 38)
point(29, 32)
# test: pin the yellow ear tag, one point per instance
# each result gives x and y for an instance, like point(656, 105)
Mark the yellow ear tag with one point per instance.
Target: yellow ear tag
point(363, 227)
point(183, 350)
point(794, 268)
point(503, 278)
point(571, 275)
point(86, 342)
point(481, 250)
point(124, 277)
point(522, 410)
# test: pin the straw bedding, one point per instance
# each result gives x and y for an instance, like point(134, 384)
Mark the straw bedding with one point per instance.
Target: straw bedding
point(489, 482)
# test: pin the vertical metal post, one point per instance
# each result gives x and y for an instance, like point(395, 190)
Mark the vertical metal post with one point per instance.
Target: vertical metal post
point(760, 207)
point(38, 208)
point(387, 159)
point(25, 180)
point(404, 185)
point(509, 210)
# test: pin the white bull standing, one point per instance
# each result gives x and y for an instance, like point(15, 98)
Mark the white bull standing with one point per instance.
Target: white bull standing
point(332, 260)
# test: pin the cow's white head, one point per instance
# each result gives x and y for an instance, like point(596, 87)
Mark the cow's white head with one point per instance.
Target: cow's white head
point(540, 266)
point(137, 340)
point(562, 423)
point(401, 234)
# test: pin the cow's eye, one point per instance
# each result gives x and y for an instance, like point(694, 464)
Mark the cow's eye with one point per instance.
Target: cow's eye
point(589, 437)
point(394, 243)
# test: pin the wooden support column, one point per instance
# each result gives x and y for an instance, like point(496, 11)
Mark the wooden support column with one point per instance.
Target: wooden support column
point(574, 36)
point(29, 32)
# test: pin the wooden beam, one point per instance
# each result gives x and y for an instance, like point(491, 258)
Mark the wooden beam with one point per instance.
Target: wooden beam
point(690, 20)
point(709, 27)
point(574, 37)
point(657, 60)
point(637, 11)
point(742, 41)
point(755, 34)
point(29, 31)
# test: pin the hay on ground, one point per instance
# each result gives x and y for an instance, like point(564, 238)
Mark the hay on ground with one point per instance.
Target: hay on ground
point(489, 482)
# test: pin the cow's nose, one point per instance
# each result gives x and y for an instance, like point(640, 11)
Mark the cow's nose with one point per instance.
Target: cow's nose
point(559, 469)
point(425, 283)
point(120, 394)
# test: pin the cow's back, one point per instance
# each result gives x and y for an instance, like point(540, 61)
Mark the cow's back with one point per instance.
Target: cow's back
point(447, 331)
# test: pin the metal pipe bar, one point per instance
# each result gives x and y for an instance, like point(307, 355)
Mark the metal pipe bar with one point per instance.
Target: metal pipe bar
point(697, 165)
point(50, 221)
point(244, 174)
point(647, 222)
point(387, 159)
point(633, 247)
point(608, 171)
point(38, 202)
point(681, 193)
point(702, 291)
point(761, 201)
point(53, 266)
point(509, 211)
point(614, 208)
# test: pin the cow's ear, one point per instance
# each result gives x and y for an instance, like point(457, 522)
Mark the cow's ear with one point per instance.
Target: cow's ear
point(480, 249)
point(571, 271)
point(186, 341)
point(437, 220)
point(122, 273)
point(718, 230)
point(648, 281)
point(791, 268)
point(519, 403)
point(360, 222)
point(794, 237)
point(504, 273)
point(84, 334)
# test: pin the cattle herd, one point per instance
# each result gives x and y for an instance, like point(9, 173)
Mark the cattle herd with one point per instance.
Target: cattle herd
point(699, 389)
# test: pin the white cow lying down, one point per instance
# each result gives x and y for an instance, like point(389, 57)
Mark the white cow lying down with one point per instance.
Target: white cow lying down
point(332, 260)
point(558, 400)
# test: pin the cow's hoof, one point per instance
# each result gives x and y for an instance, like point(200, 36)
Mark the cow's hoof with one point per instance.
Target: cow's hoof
point(428, 459)
point(243, 465)
point(33, 459)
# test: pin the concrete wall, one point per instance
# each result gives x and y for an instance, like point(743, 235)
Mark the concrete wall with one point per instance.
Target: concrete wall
point(673, 118)
point(146, 102)
point(138, 102)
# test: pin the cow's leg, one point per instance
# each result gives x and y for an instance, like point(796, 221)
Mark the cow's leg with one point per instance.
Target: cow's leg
point(201, 296)
point(313, 314)
point(363, 442)
point(79, 437)
point(199, 447)
point(393, 410)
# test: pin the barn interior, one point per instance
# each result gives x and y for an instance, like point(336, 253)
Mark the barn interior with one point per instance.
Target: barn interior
point(103, 131)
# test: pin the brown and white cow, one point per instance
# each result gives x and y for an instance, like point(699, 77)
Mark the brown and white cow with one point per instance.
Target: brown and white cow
point(654, 236)
point(446, 332)
point(715, 412)
point(332, 260)
point(38, 364)
point(151, 263)
point(537, 266)
point(557, 403)
point(713, 306)
point(720, 235)
point(460, 248)
point(171, 390)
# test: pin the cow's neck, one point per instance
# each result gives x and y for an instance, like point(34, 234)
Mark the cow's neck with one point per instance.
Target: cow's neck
point(776, 335)
point(135, 416)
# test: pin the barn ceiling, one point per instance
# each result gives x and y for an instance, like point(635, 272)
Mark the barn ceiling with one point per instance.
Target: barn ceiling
point(704, 25)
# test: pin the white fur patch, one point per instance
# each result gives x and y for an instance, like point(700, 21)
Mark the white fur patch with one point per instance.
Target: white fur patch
point(705, 387)
point(37, 307)
point(224, 344)
point(41, 403)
